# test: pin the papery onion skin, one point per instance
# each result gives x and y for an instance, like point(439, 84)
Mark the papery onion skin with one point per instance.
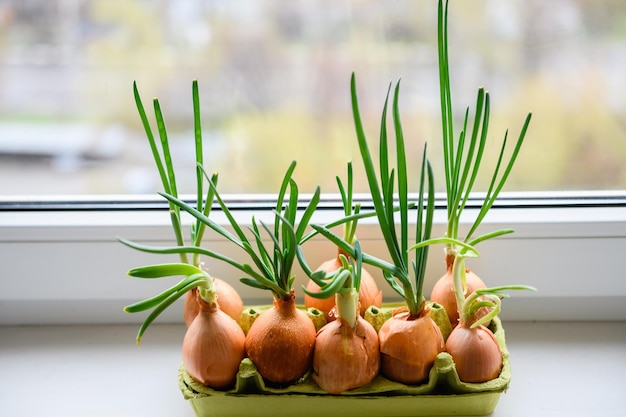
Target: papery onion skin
point(476, 353)
point(280, 342)
point(443, 292)
point(369, 293)
point(345, 358)
point(229, 300)
point(213, 347)
point(409, 347)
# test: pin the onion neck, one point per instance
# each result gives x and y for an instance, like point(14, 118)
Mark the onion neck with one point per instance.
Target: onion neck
point(349, 231)
point(204, 305)
point(458, 277)
point(286, 305)
point(450, 256)
point(347, 302)
point(342, 252)
point(208, 293)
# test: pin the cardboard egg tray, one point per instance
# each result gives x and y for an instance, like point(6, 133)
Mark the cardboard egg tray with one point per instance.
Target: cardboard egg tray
point(443, 394)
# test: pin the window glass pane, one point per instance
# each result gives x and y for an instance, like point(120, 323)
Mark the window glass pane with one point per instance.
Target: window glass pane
point(274, 86)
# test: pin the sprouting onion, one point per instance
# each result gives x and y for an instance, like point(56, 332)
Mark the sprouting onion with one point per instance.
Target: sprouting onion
point(462, 159)
point(213, 346)
point(280, 341)
point(475, 350)
point(230, 302)
point(410, 340)
point(369, 294)
point(346, 354)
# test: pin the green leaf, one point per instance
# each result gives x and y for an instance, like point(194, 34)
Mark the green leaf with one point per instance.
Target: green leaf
point(403, 187)
point(164, 270)
point(383, 147)
point(155, 152)
point(308, 214)
point(332, 287)
point(181, 249)
point(152, 302)
point(204, 219)
point(499, 291)
point(490, 235)
point(264, 257)
point(254, 283)
point(394, 284)
point(162, 307)
point(470, 251)
point(492, 194)
point(199, 226)
point(281, 194)
point(315, 276)
point(446, 100)
point(462, 165)
point(387, 228)
point(171, 174)
point(197, 130)
point(358, 257)
point(163, 163)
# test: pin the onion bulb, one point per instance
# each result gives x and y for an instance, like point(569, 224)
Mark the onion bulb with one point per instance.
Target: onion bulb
point(473, 347)
point(229, 300)
point(345, 357)
point(369, 294)
point(346, 354)
point(444, 293)
point(408, 347)
point(280, 342)
point(213, 347)
point(476, 353)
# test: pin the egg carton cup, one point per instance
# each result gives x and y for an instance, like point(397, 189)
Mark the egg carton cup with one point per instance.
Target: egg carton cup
point(443, 394)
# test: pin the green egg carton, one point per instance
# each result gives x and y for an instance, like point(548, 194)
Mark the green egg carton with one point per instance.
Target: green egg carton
point(443, 394)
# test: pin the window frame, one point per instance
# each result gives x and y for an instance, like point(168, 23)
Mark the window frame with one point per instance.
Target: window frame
point(62, 263)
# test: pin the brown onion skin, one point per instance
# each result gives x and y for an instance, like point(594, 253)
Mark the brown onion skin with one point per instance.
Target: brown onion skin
point(443, 292)
point(229, 300)
point(213, 347)
point(369, 294)
point(280, 342)
point(476, 353)
point(409, 347)
point(345, 358)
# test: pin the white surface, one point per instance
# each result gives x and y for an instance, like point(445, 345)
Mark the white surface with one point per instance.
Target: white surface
point(559, 369)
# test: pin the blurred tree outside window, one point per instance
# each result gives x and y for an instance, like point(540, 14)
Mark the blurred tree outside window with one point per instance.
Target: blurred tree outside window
point(274, 86)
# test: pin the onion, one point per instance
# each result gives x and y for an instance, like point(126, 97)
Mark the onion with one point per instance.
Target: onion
point(444, 293)
point(369, 294)
point(280, 342)
point(476, 353)
point(345, 357)
point(410, 340)
point(213, 347)
point(346, 354)
point(408, 347)
point(229, 300)
point(473, 347)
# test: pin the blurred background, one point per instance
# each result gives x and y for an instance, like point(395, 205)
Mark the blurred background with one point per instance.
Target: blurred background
point(274, 85)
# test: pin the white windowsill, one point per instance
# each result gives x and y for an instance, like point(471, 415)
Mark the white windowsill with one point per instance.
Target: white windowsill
point(558, 369)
